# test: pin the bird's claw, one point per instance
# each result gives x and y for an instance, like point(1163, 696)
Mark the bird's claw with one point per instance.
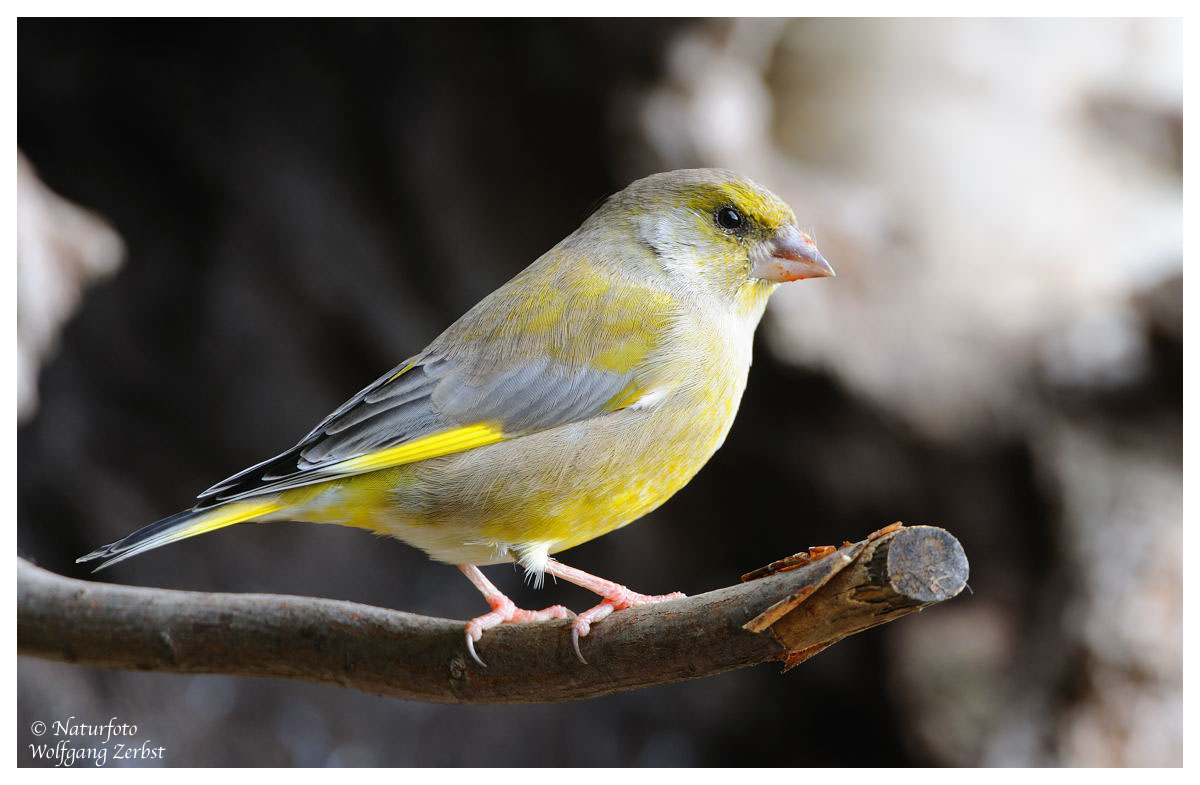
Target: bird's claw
point(504, 612)
point(575, 644)
point(471, 650)
point(626, 599)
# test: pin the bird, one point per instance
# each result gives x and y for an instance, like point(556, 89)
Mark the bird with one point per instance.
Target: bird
point(573, 400)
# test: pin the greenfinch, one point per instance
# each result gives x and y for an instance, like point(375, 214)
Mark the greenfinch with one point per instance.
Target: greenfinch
point(573, 400)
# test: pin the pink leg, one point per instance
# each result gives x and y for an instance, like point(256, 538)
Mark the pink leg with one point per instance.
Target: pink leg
point(616, 598)
point(503, 610)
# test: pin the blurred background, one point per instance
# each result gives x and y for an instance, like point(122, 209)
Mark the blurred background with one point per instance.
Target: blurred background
point(228, 228)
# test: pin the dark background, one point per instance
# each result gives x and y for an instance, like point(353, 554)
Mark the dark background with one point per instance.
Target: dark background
point(306, 203)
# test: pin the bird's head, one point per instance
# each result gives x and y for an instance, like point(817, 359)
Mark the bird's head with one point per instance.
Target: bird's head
point(715, 229)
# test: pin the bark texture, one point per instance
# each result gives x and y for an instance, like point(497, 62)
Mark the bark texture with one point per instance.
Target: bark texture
point(787, 611)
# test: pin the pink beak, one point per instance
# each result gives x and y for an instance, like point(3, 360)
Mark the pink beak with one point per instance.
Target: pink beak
point(789, 256)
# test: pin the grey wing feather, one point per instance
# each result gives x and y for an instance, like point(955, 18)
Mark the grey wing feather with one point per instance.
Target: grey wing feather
point(435, 394)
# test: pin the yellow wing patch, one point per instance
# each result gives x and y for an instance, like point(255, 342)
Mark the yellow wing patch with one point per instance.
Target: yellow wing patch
point(400, 372)
point(454, 440)
point(628, 396)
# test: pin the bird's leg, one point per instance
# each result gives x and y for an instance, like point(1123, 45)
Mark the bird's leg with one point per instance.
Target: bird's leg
point(503, 610)
point(616, 597)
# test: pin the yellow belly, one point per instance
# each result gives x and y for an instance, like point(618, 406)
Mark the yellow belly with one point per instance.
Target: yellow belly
point(539, 494)
point(542, 493)
point(550, 491)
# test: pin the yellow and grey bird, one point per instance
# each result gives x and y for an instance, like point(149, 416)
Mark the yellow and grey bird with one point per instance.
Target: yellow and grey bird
point(573, 400)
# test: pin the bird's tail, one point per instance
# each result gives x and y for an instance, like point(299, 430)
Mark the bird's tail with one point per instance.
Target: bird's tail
point(180, 526)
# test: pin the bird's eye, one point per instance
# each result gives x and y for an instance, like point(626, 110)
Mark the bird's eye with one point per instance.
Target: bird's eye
point(730, 219)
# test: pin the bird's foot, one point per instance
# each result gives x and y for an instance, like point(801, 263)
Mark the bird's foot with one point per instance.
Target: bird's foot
point(619, 598)
point(615, 598)
point(504, 611)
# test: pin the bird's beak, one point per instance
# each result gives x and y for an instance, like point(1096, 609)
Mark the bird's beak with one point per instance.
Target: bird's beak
point(789, 256)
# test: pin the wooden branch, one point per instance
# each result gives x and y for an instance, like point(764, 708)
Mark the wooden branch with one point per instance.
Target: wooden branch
point(787, 611)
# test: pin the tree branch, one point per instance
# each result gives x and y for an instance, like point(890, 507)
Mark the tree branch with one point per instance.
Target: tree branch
point(787, 611)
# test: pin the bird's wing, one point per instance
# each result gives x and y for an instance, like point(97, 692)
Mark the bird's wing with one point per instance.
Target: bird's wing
point(528, 358)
